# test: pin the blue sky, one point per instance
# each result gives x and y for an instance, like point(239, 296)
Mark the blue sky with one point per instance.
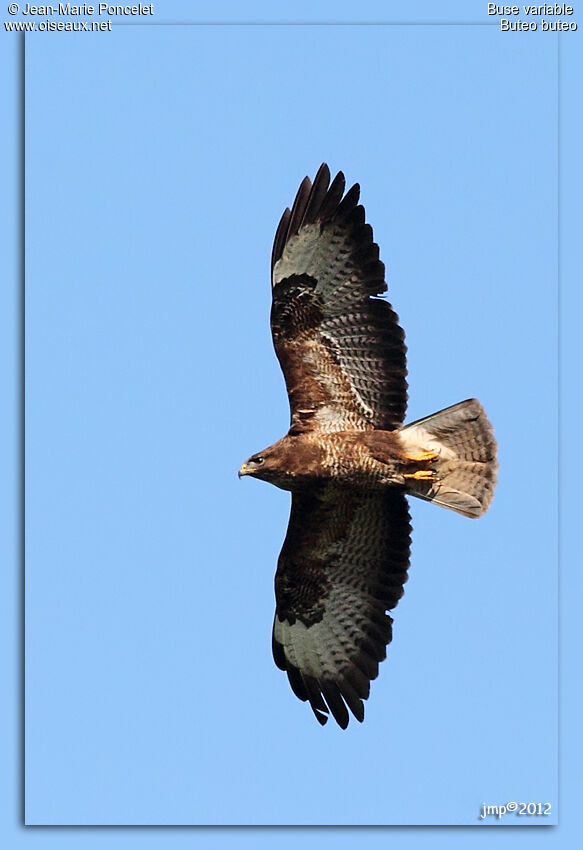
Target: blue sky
point(158, 162)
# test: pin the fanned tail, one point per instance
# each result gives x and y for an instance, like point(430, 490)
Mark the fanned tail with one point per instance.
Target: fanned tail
point(464, 465)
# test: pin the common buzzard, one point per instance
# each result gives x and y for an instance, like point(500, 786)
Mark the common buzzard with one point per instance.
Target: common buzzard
point(347, 458)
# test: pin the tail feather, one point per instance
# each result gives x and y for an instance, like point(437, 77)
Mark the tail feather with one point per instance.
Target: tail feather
point(466, 465)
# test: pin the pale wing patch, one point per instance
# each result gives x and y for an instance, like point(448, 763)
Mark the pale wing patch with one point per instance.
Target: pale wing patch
point(326, 253)
point(298, 256)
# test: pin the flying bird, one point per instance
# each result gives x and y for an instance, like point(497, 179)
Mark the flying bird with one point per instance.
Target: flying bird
point(348, 459)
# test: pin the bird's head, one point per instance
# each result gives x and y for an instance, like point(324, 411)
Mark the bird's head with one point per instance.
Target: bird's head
point(253, 466)
point(289, 463)
point(260, 465)
point(277, 464)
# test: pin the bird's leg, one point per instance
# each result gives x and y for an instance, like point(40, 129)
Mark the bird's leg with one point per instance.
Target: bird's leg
point(421, 475)
point(423, 456)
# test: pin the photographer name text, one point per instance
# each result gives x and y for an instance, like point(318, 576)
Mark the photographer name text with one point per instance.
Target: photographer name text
point(84, 10)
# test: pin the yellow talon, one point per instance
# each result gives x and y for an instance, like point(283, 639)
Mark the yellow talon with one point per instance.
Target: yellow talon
point(423, 456)
point(421, 475)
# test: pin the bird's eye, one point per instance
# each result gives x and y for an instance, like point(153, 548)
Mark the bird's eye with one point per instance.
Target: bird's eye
point(258, 459)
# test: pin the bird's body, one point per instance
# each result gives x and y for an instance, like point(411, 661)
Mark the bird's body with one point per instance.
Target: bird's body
point(348, 458)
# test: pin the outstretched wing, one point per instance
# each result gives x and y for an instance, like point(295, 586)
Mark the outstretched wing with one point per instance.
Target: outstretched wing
point(343, 565)
point(341, 348)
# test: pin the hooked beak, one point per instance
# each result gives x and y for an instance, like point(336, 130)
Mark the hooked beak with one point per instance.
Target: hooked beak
point(243, 471)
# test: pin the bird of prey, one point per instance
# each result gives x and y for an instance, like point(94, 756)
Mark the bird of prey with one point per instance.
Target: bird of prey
point(348, 459)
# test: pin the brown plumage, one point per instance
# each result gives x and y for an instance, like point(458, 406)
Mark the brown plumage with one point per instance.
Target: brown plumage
point(347, 459)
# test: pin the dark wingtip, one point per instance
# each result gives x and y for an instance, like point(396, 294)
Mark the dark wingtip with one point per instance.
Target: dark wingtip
point(342, 722)
point(299, 207)
point(332, 695)
point(317, 201)
point(280, 237)
point(333, 197)
point(321, 718)
point(350, 200)
point(317, 195)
